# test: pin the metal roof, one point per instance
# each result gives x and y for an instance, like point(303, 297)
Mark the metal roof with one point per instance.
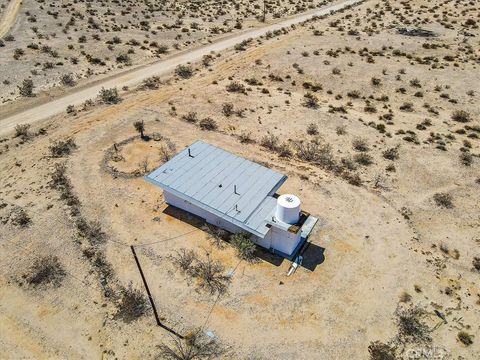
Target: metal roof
point(207, 177)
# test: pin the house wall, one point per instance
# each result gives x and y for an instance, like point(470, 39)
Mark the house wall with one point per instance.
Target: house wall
point(283, 240)
point(209, 217)
point(277, 239)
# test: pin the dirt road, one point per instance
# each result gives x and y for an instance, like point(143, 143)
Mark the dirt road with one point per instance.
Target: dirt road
point(135, 76)
point(9, 16)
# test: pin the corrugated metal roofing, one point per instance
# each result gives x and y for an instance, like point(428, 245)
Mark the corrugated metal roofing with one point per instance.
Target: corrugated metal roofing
point(207, 177)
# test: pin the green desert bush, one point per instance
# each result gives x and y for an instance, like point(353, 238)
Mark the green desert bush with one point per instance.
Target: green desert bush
point(244, 246)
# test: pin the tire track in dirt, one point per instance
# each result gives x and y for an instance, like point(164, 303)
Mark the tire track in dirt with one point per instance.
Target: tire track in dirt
point(135, 76)
point(9, 17)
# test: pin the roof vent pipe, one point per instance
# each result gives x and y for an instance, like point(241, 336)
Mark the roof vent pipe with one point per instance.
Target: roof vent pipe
point(189, 153)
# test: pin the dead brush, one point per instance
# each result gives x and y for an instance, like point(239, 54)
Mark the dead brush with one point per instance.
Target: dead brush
point(315, 152)
point(443, 200)
point(411, 328)
point(45, 271)
point(167, 150)
point(131, 305)
point(285, 150)
point(208, 272)
point(23, 131)
point(270, 142)
point(245, 137)
point(363, 159)
point(210, 276)
point(185, 260)
point(60, 148)
point(91, 230)
point(360, 145)
point(194, 346)
point(381, 351)
point(20, 218)
point(217, 236)
point(391, 153)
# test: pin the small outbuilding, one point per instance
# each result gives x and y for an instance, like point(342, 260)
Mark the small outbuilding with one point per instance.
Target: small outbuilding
point(235, 194)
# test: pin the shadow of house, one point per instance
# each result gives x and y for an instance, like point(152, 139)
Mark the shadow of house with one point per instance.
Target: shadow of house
point(201, 224)
point(267, 256)
point(185, 216)
point(313, 256)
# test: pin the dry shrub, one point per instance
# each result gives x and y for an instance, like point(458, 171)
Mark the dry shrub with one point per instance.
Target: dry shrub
point(411, 328)
point(236, 87)
point(167, 150)
point(91, 230)
point(246, 137)
point(476, 263)
point(341, 130)
point(184, 71)
point(185, 260)
point(405, 297)
point(22, 131)
point(466, 158)
point(285, 150)
point(381, 351)
point(194, 346)
point(191, 117)
point(315, 152)
point(465, 338)
point(208, 124)
point(45, 271)
point(151, 83)
point(312, 129)
point(228, 109)
point(360, 144)
point(443, 200)
point(461, 116)
point(270, 142)
point(310, 101)
point(217, 236)
point(363, 159)
point(109, 96)
point(210, 275)
point(20, 218)
point(60, 148)
point(391, 154)
point(131, 305)
point(352, 179)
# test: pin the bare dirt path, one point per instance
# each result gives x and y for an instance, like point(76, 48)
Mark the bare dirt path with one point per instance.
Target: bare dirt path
point(9, 16)
point(135, 76)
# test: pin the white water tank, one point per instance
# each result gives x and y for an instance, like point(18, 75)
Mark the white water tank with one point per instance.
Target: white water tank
point(288, 209)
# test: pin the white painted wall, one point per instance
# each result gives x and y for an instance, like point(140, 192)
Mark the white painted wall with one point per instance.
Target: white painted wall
point(209, 217)
point(277, 239)
point(284, 241)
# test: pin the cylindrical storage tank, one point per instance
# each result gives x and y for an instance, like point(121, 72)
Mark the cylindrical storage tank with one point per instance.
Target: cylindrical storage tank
point(288, 209)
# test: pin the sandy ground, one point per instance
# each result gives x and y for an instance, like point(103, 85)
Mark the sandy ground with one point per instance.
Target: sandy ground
point(375, 243)
point(135, 77)
point(88, 41)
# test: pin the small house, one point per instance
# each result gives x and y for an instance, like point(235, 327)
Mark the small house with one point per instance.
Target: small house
point(235, 194)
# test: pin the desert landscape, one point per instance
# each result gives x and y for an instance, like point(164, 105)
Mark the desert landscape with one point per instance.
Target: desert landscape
point(373, 113)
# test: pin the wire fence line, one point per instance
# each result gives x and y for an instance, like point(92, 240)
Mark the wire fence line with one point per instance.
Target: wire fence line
point(218, 298)
point(118, 242)
point(31, 248)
